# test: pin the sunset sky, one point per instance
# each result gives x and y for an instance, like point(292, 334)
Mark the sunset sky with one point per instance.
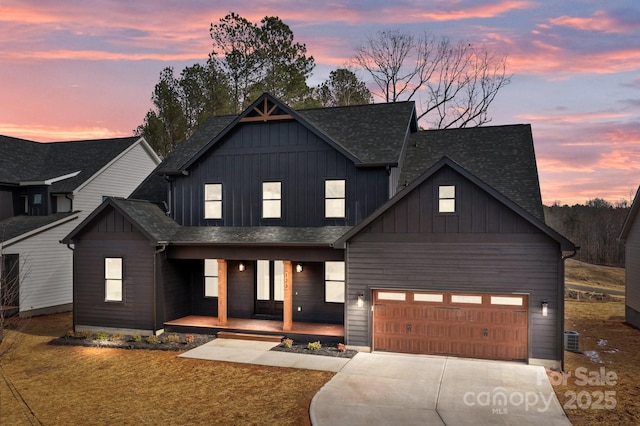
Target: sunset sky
point(86, 69)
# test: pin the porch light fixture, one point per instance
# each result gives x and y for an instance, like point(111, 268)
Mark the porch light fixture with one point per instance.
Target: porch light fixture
point(299, 267)
point(545, 308)
point(361, 300)
point(241, 267)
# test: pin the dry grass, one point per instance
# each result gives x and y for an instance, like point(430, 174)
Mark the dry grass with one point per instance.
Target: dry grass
point(60, 385)
point(606, 342)
point(604, 276)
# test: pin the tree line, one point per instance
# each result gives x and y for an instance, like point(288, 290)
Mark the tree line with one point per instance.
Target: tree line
point(454, 81)
point(594, 226)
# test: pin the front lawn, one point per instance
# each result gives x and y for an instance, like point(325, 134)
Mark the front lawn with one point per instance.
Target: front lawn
point(62, 385)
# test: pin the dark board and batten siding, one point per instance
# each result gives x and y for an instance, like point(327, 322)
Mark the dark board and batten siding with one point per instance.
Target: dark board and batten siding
point(113, 236)
point(632, 275)
point(284, 151)
point(483, 248)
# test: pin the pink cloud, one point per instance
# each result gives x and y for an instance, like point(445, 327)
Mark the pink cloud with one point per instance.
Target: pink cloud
point(472, 12)
point(599, 21)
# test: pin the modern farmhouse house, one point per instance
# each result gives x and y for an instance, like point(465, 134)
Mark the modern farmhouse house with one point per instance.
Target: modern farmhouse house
point(345, 222)
point(630, 236)
point(46, 189)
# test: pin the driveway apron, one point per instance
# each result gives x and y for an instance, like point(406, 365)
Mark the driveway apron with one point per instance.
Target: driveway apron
point(397, 389)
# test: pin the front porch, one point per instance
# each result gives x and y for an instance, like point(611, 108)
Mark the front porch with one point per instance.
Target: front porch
point(300, 331)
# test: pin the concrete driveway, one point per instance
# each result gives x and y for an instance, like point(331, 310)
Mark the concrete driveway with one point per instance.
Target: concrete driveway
point(396, 389)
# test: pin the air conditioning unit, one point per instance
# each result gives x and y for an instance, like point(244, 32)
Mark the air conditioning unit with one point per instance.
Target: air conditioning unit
point(571, 341)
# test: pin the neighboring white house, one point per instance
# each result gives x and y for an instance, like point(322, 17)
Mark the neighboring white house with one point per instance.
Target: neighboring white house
point(46, 189)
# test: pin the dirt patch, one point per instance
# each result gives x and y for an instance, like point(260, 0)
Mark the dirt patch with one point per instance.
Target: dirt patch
point(62, 385)
point(600, 384)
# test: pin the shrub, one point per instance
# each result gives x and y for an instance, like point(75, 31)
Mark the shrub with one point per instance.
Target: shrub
point(314, 346)
point(172, 338)
point(189, 338)
point(116, 337)
point(101, 335)
point(287, 343)
point(136, 337)
point(84, 334)
point(153, 339)
point(341, 347)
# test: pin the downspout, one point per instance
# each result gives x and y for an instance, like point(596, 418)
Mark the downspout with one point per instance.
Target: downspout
point(73, 286)
point(168, 203)
point(163, 247)
point(563, 258)
point(70, 202)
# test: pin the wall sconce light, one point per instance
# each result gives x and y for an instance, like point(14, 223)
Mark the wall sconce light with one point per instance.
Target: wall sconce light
point(241, 267)
point(545, 308)
point(361, 300)
point(299, 267)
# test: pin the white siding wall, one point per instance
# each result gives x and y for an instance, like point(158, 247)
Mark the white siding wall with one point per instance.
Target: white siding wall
point(119, 180)
point(45, 268)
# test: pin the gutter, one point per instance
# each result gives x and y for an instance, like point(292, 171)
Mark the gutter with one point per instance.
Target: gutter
point(154, 310)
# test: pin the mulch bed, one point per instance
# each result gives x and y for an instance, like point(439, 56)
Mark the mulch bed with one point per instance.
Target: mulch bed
point(324, 350)
point(127, 342)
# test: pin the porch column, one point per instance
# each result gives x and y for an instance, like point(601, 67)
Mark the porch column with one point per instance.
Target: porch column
point(287, 323)
point(222, 292)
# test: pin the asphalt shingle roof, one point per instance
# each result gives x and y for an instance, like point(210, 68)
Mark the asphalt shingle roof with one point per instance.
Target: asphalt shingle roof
point(17, 225)
point(501, 156)
point(23, 161)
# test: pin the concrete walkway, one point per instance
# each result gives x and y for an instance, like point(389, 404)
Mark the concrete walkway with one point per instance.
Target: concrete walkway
point(394, 389)
point(259, 353)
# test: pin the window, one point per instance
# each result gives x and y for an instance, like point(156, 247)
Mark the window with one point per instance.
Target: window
point(211, 278)
point(334, 282)
point(213, 201)
point(334, 198)
point(113, 279)
point(37, 198)
point(271, 200)
point(447, 199)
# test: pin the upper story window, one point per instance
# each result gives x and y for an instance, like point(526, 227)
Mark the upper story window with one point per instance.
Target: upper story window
point(213, 201)
point(37, 198)
point(334, 198)
point(272, 200)
point(211, 278)
point(113, 275)
point(446, 199)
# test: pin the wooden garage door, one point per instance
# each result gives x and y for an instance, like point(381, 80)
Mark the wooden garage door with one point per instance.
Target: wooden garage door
point(488, 326)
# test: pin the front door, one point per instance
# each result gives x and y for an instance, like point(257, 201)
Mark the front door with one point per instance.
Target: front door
point(269, 288)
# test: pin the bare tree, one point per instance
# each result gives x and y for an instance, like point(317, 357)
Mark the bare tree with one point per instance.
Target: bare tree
point(455, 82)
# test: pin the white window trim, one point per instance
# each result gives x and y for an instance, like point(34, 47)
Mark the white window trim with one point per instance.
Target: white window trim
point(328, 199)
point(213, 201)
point(271, 200)
point(445, 200)
point(209, 278)
point(334, 281)
point(113, 279)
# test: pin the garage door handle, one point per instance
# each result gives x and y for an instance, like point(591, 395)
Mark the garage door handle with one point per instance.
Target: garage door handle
point(485, 332)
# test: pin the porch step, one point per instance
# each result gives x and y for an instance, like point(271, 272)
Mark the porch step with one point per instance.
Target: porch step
point(249, 336)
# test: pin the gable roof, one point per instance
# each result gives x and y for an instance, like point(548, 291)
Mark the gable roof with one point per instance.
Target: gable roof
point(565, 244)
point(17, 228)
point(63, 165)
point(631, 217)
point(371, 134)
point(501, 156)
